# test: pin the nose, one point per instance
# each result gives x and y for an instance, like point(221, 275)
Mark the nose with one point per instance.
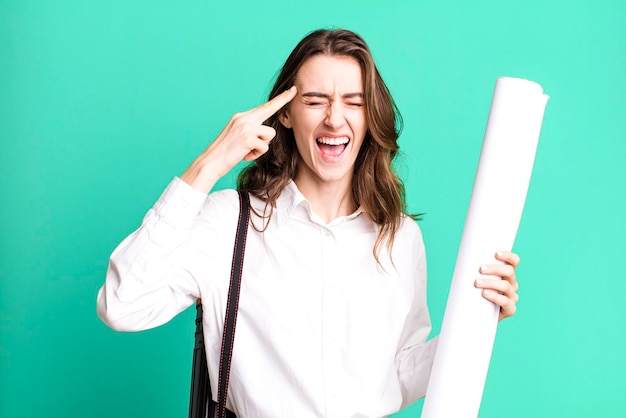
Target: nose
point(335, 117)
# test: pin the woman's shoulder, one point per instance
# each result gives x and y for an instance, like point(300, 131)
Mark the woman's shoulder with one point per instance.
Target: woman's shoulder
point(408, 246)
point(229, 199)
point(225, 203)
point(409, 227)
point(223, 197)
point(409, 236)
point(221, 206)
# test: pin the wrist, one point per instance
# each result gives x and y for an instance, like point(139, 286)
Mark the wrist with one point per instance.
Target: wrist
point(200, 178)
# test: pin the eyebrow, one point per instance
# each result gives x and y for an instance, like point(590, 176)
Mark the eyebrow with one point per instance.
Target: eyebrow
point(328, 96)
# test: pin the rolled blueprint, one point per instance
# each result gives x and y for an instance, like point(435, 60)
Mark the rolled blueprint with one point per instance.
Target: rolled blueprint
point(468, 330)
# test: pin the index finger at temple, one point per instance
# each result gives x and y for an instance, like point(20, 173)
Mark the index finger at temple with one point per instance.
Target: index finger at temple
point(263, 112)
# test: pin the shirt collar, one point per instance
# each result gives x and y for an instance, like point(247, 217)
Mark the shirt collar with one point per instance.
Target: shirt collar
point(292, 203)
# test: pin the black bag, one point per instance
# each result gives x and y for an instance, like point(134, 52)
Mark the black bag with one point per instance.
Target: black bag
point(201, 404)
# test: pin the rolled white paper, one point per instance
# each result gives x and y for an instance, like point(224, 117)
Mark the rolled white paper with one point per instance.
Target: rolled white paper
point(469, 326)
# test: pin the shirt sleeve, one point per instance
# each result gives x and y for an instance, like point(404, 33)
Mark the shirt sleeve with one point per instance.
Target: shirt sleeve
point(144, 286)
point(415, 355)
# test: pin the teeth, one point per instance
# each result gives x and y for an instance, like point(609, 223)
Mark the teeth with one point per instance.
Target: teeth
point(333, 141)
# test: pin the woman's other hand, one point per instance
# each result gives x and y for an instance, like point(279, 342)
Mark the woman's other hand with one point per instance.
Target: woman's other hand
point(501, 292)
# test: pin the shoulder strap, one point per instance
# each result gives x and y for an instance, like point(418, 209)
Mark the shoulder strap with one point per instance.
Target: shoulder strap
point(230, 319)
point(200, 396)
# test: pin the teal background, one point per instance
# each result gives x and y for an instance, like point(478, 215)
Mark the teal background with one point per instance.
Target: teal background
point(102, 103)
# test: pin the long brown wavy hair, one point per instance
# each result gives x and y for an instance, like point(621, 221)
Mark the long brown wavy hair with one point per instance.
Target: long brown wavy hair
point(375, 186)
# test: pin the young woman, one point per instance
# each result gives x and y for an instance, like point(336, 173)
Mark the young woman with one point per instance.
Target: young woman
point(332, 315)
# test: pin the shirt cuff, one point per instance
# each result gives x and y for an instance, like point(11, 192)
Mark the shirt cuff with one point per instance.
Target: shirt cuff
point(179, 204)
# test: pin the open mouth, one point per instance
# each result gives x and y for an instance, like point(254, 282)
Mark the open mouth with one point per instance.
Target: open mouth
point(332, 147)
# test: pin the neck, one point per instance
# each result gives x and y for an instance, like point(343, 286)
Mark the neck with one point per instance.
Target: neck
point(329, 199)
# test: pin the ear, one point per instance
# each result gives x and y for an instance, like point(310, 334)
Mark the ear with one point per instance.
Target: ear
point(283, 117)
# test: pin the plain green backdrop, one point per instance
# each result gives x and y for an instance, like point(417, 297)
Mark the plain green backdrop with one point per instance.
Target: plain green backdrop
point(102, 103)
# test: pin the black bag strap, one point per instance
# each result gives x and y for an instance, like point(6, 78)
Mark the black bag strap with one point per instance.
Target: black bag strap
point(201, 404)
point(232, 305)
point(200, 396)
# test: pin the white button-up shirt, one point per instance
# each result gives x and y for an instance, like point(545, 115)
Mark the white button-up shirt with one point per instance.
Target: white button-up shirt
point(322, 329)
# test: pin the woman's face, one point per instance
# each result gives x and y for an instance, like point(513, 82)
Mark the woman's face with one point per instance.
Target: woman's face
point(328, 119)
